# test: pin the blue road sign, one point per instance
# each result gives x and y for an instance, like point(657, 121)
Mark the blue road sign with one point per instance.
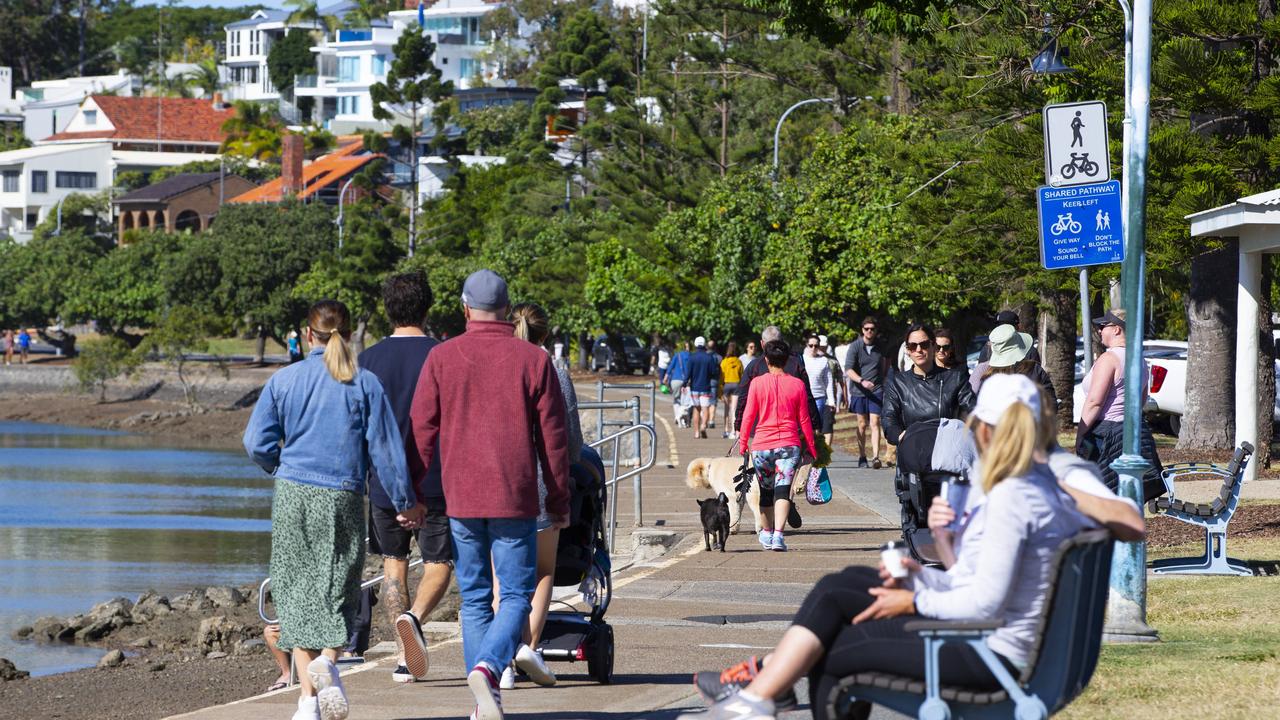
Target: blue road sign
point(1080, 225)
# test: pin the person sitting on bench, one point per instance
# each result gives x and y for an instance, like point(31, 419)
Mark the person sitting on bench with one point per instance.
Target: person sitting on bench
point(854, 620)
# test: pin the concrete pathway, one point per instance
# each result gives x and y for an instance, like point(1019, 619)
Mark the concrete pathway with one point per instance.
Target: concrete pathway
point(685, 611)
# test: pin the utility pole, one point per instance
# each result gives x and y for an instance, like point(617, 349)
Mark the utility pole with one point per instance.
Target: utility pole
point(80, 64)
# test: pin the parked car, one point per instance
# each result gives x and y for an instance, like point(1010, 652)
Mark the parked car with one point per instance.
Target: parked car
point(621, 354)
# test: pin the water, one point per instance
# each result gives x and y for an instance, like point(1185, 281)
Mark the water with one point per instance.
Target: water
point(87, 515)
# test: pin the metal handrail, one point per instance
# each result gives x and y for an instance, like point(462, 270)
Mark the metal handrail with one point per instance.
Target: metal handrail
point(616, 438)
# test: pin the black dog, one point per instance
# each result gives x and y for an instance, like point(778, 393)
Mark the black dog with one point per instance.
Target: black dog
point(715, 522)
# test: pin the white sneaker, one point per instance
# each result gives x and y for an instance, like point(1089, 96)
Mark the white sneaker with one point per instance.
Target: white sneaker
point(483, 682)
point(766, 539)
point(307, 709)
point(508, 681)
point(330, 695)
point(530, 661)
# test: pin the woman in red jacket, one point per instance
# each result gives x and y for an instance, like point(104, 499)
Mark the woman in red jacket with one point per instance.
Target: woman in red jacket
point(775, 419)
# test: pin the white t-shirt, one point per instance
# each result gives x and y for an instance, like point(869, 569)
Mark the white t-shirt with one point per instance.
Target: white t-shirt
point(841, 354)
point(745, 359)
point(819, 375)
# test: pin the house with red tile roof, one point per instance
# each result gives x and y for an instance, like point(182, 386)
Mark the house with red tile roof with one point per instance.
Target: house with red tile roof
point(187, 125)
point(317, 181)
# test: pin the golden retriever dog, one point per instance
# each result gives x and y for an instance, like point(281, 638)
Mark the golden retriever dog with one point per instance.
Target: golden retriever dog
point(717, 474)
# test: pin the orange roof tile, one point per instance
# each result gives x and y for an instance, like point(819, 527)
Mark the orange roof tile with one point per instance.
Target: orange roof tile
point(316, 176)
point(145, 118)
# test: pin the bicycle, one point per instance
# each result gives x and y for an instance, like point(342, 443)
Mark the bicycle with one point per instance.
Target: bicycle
point(1082, 163)
point(1066, 223)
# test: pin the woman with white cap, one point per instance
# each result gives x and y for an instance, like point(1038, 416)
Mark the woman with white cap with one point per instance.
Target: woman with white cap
point(1011, 355)
point(1100, 432)
point(853, 621)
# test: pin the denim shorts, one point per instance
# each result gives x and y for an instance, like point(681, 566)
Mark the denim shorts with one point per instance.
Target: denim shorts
point(776, 467)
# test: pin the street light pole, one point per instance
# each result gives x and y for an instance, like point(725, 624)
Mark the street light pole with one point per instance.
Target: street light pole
point(1127, 604)
point(341, 194)
point(778, 130)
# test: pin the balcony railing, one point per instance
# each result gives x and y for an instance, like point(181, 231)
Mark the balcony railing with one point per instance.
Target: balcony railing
point(312, 81)
point(354, 35)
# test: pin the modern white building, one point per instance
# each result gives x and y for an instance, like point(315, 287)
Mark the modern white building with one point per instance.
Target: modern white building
point(249, 41)
point(49, 105)
point(434, 171)
point(10, 108)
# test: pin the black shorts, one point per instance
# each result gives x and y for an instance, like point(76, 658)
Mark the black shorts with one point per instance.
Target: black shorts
point(828, 420)
point(388, 539)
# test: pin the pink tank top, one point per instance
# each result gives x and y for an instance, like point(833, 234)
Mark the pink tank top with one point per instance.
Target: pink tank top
point(1113, 403)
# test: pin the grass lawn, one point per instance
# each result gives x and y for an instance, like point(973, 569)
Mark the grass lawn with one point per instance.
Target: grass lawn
point(1218, 655)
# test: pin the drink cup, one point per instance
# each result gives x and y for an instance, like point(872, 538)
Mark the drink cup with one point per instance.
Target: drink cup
point(891, 554)
point(956, 493)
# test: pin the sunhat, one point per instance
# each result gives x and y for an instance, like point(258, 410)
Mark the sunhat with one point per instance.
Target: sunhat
point(1008, 346)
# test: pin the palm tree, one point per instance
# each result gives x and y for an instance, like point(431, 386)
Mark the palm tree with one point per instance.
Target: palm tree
point(366, 11)
point(252, 132)
point(205, 76)
point(308, 11)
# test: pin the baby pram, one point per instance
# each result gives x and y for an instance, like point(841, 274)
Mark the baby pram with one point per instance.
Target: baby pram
point(582, 560)
point(929, 453)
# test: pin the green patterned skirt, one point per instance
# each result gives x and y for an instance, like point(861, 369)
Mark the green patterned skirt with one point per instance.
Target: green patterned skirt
point(317, 555)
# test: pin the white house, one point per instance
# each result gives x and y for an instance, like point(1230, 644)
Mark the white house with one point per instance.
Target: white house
point(10, 108)
point(434, 171)
point(33, 180)
point(49, 105)
point(249, 41)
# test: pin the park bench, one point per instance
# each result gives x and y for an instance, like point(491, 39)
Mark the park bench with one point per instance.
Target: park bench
point(1069, 636)
point(1213, 517)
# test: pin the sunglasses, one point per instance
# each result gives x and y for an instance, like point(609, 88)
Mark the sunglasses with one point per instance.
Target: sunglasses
point(869, 328)
point(944, 348)
point(922, 345)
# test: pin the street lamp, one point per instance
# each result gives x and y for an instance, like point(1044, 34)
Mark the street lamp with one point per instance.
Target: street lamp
point(778, 130)
point(341, 194)
point(58, 231)
point(1049, 61)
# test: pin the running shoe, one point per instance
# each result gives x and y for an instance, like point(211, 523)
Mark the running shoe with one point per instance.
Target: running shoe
point(508, 681)
point(530, 662)
point(307, 709)
point(766, 539)
point(402, 675)
point(331, 697)
point(777, 544)
point(735, 707)
point(715, 687)
point(415, 647)
point(483, 682)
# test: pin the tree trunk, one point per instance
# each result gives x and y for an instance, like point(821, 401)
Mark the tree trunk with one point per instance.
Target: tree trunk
point(1058, 348)
point(358, 336)
point(1115, 297)
point(1208, 418)
point(1266, 367)
point(260, 347)
point(899, 64)
point(584, 347)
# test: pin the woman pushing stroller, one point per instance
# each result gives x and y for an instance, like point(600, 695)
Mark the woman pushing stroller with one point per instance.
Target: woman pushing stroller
point(854, 620)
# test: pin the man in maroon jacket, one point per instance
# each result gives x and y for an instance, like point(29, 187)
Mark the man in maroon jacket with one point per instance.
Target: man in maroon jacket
point(493, 402)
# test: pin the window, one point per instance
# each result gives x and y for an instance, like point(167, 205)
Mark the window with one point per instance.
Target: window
point(473, 31)
point(348, 104)
point(255, 42)
point(76, 180)
point(90, 117)
point(348, 69)
point(379, 65)
point(33, 219)
point(39, 181)
point(233, 42)
point(11, 180)
point(467, 68)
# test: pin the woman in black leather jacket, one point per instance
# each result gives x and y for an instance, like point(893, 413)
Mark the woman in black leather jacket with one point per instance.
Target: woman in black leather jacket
point(926, 392)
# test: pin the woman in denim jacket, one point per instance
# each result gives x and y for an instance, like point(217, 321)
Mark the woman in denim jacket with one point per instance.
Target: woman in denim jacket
point(317, 427)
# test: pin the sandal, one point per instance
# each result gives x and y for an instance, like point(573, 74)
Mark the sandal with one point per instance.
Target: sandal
point(277, 685)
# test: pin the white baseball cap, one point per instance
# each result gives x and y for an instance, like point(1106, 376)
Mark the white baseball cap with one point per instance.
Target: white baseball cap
point(699, 341)
point(822, 341)
point(1000, 391)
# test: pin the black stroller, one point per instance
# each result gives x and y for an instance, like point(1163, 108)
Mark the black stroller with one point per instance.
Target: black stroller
point(921, 472)
point(582, 559)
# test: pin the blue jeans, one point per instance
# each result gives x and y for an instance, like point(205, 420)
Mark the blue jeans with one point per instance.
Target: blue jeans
point(513, 546)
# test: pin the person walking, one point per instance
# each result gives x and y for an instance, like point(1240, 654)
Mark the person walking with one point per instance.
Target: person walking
point(835, 390)
point(746, 357)
point(1006, 317)
point(944, 350)
point(1010, 352)
point(397, 362)
point(294, 345)
point(819, 372)
point(533, 325)
point(318, 427)
point(495, 423)
point(731, 374)
point(24, 344)
point(677, 374)
point(776, 427)
point(716, 357)
point(8, 347)
point(927, 392)
point(867, 367)
point(663, 360)
point(758, 367)
point(1100, 433)
point(704, 373)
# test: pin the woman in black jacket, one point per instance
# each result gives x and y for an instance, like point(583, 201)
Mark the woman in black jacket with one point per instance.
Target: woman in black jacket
point(926, 392)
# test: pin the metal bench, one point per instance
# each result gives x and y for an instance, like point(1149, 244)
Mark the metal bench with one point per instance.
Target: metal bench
point(1213, 517)
point(1069, 636)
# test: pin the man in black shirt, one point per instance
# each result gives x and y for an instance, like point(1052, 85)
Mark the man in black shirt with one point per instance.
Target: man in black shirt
point(397, 361)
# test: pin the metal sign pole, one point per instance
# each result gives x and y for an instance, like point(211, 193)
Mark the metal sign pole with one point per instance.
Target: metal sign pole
point(1085, 320)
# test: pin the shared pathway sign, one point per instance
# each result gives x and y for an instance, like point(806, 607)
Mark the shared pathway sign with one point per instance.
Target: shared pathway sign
point(1080, 225)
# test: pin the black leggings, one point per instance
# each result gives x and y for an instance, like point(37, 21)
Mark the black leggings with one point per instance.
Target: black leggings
point(873, 645)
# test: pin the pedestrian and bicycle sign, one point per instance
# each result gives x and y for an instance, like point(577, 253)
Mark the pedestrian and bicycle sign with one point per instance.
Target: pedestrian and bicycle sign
point(1075, 144)
point(1080, 225)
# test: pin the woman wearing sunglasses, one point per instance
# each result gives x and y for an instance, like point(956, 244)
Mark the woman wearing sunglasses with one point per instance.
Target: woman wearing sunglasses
point(944, 349)
point(927, 391)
